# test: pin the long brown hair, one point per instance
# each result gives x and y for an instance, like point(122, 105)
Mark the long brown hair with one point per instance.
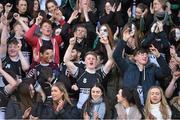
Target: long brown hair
point(25, 99)
point(128, 25)
point(62, 88)
point(110, 34)
point(163, 104)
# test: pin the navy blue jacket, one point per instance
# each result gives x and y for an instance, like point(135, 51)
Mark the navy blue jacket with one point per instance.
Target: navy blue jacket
point(131, 72)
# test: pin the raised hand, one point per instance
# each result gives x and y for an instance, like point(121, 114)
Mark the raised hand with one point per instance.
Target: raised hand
point(126, 34)
point(19, 45)
point(8, 7)
point(151, 8)
point(60, 105)
point(16, 16)
point(104, 40)
point(96, 116)
point(74, 15)
point(153, 27)
point(26, 113)
point(116, 34)
point(129, 12)
point(86, 116)
point(160, 26)
point(39, 19)
point(57, 14)
point(74, 87)
point(35, 55)
point(72, 41)
point(113, 7)
point(144, 13)
point(119, 7)
point(154, 51)
point(176, 75)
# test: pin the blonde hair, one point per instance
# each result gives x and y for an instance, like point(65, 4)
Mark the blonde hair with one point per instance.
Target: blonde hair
point(62, 88)
point(164, 107)
point(163, 3)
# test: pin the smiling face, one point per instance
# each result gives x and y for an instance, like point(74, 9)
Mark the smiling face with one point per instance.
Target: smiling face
point(81, 32)
point(96, 93)
point(46, 29)
point(157, 6)
point(138, 13)
point(36, 5)
point(108, 7)
point(56, 93)
point(141, 58)
point(13, 50)
point(91, 61)
point(51, 7)
point(155, 95)
point(47, 56)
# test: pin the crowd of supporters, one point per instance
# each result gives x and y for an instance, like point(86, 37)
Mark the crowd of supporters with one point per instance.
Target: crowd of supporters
point(89, 59)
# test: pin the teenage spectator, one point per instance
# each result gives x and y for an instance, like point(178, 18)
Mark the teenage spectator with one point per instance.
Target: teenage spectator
point(173, 87)
point(129, 105)
point(6, 91)
point(60, 107)
point(86, 12)
point(97, 105)
point(19, 29)
point(20, 107)
point(22, 10)
point(140, 20)
point(133, 42)
point(104, 31)
point(55, 14)
point(139, 74)
point(68, 6)
point(69, 81)
point(34, 8)
point(159, 12)
point(46, 60)
point(43, 4)
point(45, 38)
point(11, 54)
point(88, 77)
point(158, 38)
point(85, 35)
point(156, 106)
point(112, 16)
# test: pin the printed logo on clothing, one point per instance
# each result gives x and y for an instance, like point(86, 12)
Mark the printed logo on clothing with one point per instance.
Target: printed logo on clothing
point(84, 80)
point(8, 66)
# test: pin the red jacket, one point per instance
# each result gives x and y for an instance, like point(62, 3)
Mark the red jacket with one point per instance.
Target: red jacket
point(36, 42)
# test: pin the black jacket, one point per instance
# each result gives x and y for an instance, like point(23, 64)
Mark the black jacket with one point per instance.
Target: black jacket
point(131, 73)
point(46, 111)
